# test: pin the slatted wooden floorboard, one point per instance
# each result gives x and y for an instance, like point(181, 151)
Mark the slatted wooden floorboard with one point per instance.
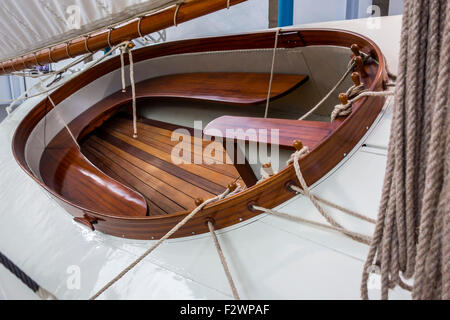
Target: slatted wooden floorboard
point(145, 165)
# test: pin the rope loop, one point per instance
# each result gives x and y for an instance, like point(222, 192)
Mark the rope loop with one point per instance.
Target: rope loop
point(277, 33)
point(296, 156)
point(23, 62)
point(68, 50)
point(50, 55)
point(86, 39)
point(35, 58)
point(12, 65)
point(109, 37)
point(223, 260)
point(139, 27)
point(175, 16)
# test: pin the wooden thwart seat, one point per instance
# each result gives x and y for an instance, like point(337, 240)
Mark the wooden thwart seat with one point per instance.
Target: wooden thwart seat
point(311, 133)
point(225, 87)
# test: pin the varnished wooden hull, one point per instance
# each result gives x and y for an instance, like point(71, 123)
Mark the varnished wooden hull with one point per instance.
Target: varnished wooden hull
point(272, 192)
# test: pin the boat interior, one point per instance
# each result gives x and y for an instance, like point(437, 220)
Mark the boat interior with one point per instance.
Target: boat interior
point(115, 175)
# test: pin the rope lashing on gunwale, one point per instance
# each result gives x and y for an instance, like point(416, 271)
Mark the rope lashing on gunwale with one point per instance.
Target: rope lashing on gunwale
point(30, 283)
point(345, 108)
point(230, 191)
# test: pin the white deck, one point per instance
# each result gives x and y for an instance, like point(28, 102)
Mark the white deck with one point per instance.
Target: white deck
point(270, 258)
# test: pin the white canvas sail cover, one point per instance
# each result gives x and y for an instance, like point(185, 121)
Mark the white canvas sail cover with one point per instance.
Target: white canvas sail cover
point(28, 25)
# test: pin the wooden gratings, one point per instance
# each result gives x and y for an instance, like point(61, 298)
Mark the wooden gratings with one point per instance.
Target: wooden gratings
point(145, 165)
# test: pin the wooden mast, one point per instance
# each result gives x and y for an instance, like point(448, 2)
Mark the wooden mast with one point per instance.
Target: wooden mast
point(188, 10)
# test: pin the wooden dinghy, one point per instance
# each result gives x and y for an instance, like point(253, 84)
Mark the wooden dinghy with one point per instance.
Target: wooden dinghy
point(129, 187)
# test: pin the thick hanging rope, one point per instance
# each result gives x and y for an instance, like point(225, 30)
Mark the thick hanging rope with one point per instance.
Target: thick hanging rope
point(223, 261)
point(272, 68)
point(30, 283)
point(411, 239)
point(229, 192)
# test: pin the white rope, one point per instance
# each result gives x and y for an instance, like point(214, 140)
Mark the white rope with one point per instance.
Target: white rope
point(122, 68)
point(295, 158)
point(99, 30)
point(227, 193)
point(223, 260)
point(266, 172)
point(277, 33)
point(346, 109)
point(175, 16)
point(133, 93)
point(44, 294)
point(321, 102)
point(362, 238)
point(62, 120)
point(336, 206)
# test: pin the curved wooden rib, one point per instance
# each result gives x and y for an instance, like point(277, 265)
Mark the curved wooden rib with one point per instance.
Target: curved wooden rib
point(329, 152)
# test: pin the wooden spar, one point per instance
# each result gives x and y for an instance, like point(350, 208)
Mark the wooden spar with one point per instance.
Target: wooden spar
point(188, 10)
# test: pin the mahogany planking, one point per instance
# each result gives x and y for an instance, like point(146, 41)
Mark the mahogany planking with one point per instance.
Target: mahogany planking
point(311, 133)
point(225, 87)
point(157, 184)
point(165, 144)
point(348, 131)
